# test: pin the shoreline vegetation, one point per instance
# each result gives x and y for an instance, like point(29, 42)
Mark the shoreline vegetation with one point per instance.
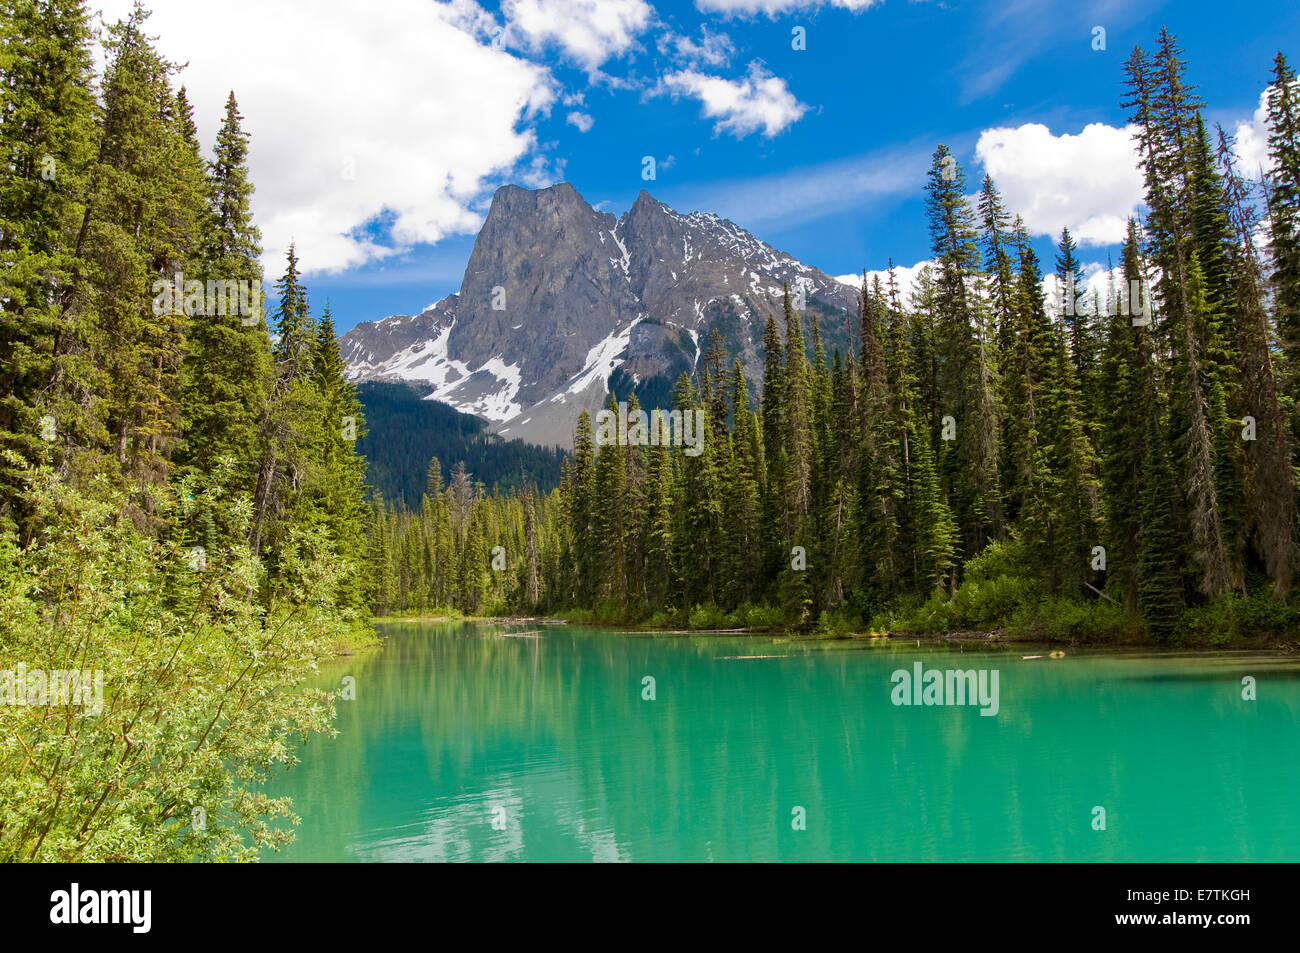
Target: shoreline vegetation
point(1003, 636)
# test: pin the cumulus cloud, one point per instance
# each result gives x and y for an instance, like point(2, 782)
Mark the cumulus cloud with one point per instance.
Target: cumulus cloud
point(906, 277)
point(713, 49)
point(749, 8)
point(406, 115)
point(588, 31)
point(1250, 141)
point(759, 101)
point(1088, 182)
point(580, 121)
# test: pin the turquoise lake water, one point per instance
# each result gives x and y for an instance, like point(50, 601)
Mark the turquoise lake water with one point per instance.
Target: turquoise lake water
point(473, 742)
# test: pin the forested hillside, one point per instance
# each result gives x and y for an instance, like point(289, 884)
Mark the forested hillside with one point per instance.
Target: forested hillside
point(981, 458)
point(406, 432)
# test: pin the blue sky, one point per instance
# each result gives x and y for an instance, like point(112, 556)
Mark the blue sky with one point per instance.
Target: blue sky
point(380, 166)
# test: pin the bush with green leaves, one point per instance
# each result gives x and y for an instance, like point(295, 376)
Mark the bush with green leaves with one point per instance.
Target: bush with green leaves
point(202, 660)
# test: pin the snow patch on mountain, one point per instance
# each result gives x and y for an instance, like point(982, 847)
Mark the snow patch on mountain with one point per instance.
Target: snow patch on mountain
point(627, 259)
point(501, 405)
point(429, 363)
point(601, 362)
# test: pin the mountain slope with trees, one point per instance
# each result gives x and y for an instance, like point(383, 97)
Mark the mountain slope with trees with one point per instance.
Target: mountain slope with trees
point(405, 433)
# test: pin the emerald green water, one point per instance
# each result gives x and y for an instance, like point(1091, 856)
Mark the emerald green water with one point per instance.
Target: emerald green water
point(458, 731)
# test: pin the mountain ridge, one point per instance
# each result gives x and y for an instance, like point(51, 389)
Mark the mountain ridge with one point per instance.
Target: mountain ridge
point(560, 302)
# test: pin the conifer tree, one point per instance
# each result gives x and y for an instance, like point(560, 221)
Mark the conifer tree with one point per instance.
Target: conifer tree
point(966, 383)
point(1283, 190)
point(285, 433)
point(144, 230)
point(433, 480)
point(293, 325)
point(611, 517)
point(994, 226)
point(1165, 111)
point(699, 547)
point(742, 514)
point(1080, 326)
point(1268, 458)
point(48, 141)
point(580, 492)
point(226, 375)
point(1160, 592)
point(660, 542)
point(772, 416)
point(796, 406)
point(530, 563)
point(340, 487)
point(1060, 511)
point(879, 479)
point(1127, 392)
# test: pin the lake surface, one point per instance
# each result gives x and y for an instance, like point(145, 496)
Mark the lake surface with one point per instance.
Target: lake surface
point(471, 742)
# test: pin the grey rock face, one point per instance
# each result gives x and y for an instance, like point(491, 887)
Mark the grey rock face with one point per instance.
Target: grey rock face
point(558, 298)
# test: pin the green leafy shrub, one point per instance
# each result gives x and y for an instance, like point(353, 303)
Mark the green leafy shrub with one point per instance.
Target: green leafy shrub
point(1240, 617)
point(763, 617)
point(999, 558)
point(838, 624)
point(708, 617)
point(1065, 620)
point(668, 618)
point(198, 666)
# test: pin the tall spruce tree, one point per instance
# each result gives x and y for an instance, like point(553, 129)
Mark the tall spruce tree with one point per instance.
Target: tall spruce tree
point(145, 229)
point(227, 375)
point(966, 381)
point(1268, 458)
point(1283, 190)
point(1165, 112)
point(48, 145)
point(1128, 390)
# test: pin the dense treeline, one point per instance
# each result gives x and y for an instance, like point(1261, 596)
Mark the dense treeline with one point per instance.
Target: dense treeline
point(406, 431)
point(181, 506)
point(1118, 465)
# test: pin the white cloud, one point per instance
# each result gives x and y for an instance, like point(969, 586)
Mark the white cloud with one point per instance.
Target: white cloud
point(406, 113)
point(580, 121)
point(1250, 141)
point(906, 276)
point(588, 31)
point(713, 49)
point(749, 8)
point(1088, 182)
point(759, 101)
point(539, 173)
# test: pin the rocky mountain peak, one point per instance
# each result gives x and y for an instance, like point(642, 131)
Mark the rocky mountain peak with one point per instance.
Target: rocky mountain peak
point(560, 303)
